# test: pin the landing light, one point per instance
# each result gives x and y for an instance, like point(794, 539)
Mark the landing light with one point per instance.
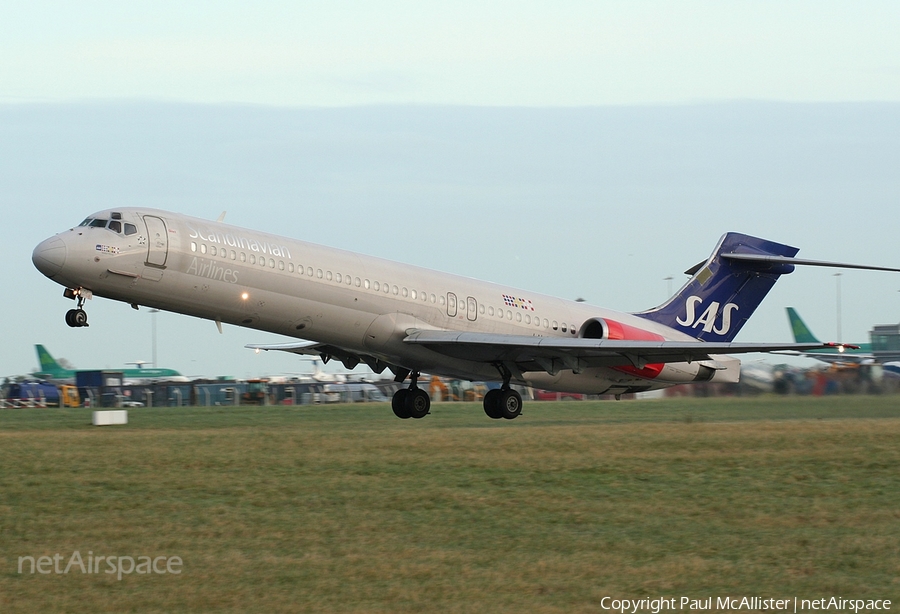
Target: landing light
point(245, 296)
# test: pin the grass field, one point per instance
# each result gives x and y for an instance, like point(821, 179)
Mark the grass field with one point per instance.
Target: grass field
point(347, 509)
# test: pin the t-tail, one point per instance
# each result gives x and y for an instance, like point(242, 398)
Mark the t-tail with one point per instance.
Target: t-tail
point(724, 291)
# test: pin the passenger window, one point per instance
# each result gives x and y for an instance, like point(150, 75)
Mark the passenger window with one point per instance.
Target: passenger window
point(203, 248)
point(376, 286)
point(271, 263)
point(212, 250)
point(243, 257)
point(328, 275)
point(338, 278)
point(555, 325)
point(130, 229)
point(281, 265)
point(115, 226)
point(451, 304)
point(252, 259)
point(193, 246)
point(290, 267)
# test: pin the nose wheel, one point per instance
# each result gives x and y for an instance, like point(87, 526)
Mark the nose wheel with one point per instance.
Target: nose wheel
point(76, 318)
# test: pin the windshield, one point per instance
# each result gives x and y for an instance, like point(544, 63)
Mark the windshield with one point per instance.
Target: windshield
point(114, 225)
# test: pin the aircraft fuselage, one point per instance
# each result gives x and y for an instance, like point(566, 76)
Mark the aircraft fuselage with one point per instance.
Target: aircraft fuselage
point(367, 305)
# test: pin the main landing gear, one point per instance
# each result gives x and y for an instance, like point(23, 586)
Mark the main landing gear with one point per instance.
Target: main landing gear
point(503, 402)
point(412, 402)
point(76, 318)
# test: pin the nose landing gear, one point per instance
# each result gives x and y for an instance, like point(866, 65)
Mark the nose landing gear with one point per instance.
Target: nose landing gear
point(76, 318)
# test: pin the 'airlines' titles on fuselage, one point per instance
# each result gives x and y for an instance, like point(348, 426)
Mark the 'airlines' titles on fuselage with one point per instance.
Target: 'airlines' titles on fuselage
point(211, 270)
point(254, 245)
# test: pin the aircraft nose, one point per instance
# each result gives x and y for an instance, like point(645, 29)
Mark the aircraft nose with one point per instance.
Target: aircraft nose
point(49, 256)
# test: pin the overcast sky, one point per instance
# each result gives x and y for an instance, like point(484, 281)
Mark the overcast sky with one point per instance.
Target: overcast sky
point(580, 149)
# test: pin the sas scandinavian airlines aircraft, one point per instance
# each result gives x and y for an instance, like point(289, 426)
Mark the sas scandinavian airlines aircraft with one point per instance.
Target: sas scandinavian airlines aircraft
point(360, 309)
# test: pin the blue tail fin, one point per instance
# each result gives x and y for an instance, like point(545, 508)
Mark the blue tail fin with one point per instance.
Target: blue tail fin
point(723, 293)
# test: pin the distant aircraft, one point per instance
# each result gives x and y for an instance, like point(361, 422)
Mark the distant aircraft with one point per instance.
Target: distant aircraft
point(860, 354)
point(361, 309)
point(52, 370)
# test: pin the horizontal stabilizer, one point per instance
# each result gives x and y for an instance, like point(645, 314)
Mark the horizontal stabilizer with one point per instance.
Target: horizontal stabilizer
point(800, 261)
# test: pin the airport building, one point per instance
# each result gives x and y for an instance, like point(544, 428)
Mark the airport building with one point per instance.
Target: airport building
point(886, 342)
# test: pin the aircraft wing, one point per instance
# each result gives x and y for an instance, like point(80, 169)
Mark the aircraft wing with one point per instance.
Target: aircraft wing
point(535, 353)
point(835, 359)
point(326, 352)
point(544, 353)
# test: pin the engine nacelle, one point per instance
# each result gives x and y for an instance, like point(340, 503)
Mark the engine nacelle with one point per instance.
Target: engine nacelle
point(601, 328)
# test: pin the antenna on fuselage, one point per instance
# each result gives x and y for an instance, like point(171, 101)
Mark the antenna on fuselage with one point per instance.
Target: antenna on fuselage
point(222, 217)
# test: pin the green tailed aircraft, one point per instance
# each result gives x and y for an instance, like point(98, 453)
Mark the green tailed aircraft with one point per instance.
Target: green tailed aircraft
point(802, 334)
point(52, 370)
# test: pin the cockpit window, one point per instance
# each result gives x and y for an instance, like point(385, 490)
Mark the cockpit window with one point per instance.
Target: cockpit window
point(115, 226)
point(130, 229)
point(86, 222)
point(98, 223)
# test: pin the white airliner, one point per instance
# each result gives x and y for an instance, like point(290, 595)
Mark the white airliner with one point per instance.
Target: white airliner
point(360, 309)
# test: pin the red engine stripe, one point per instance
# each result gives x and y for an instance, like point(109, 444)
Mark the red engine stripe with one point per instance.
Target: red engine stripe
point(617, 330)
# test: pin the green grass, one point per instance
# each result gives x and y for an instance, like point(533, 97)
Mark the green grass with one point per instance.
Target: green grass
point(347, 509)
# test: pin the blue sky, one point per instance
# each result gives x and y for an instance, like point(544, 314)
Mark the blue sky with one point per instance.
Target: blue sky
point(576, 149)
point(464, 52)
